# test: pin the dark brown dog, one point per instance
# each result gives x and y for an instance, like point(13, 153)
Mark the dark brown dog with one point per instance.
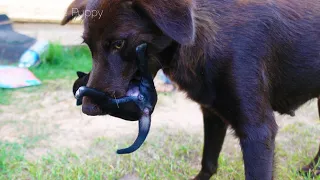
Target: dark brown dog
point(241, 60)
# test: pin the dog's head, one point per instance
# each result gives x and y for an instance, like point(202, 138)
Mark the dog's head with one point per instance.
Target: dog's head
point(113, 29)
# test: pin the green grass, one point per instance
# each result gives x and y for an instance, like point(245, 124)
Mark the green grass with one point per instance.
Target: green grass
point(5, 96)
point(58, 62)
point(62, 62)
point(160, 158)
point(12, 160)
point(163, 156)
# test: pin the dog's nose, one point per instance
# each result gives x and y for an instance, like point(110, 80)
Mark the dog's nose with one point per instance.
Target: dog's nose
point(90, 108)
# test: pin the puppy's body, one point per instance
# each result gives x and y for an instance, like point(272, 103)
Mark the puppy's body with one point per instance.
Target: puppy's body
point(239, 59)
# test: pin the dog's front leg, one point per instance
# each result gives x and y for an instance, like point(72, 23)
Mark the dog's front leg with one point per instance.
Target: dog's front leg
point(256, 127)
point(253, 118)
point(258, 151)
point(214, 132)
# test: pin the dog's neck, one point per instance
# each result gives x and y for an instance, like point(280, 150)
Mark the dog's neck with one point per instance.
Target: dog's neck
point(183, 60)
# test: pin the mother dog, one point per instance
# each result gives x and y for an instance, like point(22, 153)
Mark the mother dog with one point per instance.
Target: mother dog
point(240, 60)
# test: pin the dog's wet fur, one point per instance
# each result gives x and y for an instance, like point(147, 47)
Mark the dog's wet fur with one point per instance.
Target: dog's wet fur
point(240, 60)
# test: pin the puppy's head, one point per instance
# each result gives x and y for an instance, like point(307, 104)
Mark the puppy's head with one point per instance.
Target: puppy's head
point(114, 28)
point(81, 81)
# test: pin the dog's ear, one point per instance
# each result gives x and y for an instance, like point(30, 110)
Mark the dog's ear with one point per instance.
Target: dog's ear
point(81, 74)
point(173, 17)
point(75, 9)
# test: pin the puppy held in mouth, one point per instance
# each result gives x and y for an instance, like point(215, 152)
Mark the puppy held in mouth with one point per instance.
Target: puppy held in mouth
point(138, 104)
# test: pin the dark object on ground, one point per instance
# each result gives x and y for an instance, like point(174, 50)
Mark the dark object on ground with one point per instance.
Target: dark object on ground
point(5, 23)
point(240, 60)
point(138, 105)
point(12, 44)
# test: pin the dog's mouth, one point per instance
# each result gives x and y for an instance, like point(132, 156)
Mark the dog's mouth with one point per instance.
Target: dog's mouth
point(97, 106)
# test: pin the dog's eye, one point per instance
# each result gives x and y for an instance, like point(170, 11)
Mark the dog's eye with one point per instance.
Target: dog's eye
point(118, 44)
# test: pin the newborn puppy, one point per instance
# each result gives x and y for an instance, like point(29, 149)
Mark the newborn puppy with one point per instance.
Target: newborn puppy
point(137, 105)
point(131, 109)
point(112, 107)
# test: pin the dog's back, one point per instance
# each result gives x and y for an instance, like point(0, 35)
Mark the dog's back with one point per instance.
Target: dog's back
point(285, 34)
